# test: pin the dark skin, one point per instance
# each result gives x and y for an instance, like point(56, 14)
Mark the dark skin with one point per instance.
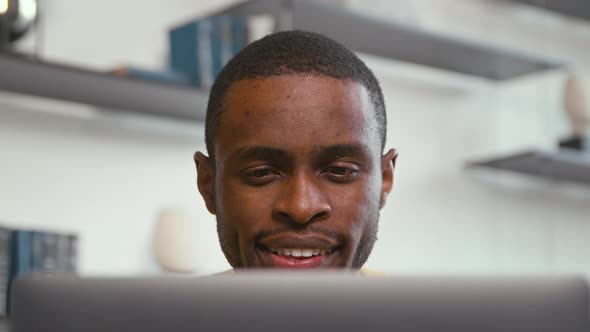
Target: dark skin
point(298, 165)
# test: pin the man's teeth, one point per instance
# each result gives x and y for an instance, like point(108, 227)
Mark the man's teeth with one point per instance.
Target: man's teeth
point(300, 252)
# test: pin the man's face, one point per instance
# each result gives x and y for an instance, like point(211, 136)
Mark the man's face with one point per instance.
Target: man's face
point(298, 178)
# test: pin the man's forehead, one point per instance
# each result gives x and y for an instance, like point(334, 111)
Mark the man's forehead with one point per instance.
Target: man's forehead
point(297, 96)
point(315, 110)
point(281, 91)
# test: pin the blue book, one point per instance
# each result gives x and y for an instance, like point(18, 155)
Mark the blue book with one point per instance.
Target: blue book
point(190, 51)
point(22, 256)
point(21, 260)
point(239, 27)
point(229, 37)
point(201, 48)
point(221, 42)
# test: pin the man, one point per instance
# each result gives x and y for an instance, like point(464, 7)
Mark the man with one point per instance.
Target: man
point(296, 173)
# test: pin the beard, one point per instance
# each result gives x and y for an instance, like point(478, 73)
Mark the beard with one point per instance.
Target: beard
point(366, 244)
point(231, 247)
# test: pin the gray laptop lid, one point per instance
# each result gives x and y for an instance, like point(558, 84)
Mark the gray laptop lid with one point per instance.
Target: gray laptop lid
point(301, 302)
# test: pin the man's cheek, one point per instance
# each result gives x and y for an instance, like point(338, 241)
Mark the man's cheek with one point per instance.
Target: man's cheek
point(247, 216)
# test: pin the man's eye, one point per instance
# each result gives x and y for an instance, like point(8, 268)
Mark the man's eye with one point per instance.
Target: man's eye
point(259, 176)
point(341, 173)
point(259, 173)
point(339, 170)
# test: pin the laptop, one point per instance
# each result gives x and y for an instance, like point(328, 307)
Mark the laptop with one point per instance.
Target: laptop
point(301, 301)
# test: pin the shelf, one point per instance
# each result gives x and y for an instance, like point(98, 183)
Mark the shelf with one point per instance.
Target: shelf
point(396, 41)
point(575, 8)
point(562, 165)
point(360, 33)
point(25, 76)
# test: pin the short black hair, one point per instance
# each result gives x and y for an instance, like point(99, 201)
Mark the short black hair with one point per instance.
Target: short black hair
point(292, 52)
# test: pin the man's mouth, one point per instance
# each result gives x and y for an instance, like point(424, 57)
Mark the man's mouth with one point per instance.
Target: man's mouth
point(291, 250)
point(294, 252)
point(295, 258)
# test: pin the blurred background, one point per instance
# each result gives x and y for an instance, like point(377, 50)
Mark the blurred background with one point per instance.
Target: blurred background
point(479, 95)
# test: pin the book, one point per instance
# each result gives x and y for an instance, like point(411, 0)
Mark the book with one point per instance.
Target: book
point(36, 250)
point(49, 253)
point(21, 258)
point(63, 253)
point(201, 48)
point(5, 263)
point(28, 251)
point(53, 252)
point(73, 259)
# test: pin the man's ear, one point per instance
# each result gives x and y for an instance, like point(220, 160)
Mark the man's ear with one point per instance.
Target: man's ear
point(205, 179)
point(387, 167)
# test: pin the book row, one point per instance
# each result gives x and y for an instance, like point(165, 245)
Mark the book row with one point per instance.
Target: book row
point(33, 251)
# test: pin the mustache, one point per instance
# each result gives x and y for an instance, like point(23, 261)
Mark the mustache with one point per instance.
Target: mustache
point(340, 238)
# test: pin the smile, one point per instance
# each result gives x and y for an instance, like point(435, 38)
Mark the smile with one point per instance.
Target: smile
point(294, 252)
point(294, 258)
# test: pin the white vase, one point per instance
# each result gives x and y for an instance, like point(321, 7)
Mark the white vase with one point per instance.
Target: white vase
point(174, 242)
point(575, 106)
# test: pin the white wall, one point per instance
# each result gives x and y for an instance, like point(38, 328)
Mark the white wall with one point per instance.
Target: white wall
point(442, 218)
point(106, 176)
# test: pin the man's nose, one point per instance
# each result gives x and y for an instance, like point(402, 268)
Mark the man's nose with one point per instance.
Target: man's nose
point(301, 201)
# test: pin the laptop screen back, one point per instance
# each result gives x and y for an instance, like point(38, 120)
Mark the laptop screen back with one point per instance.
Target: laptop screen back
point(301, 302)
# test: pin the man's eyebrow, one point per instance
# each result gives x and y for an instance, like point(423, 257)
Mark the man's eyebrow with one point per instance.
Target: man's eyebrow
point(341, 150)
point(260, 153)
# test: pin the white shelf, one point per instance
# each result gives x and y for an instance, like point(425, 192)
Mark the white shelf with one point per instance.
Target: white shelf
point(360, 33)
point(575, 8)
point(55, 81)
point(562, 165)
point(397, 41)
